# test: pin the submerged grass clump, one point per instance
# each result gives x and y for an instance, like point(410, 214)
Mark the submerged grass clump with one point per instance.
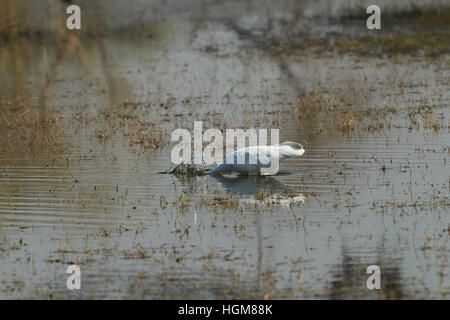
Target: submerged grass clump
point(349, 111)
point(128, 119)
point(187, 170)
point(29, 130)
point(334, 110)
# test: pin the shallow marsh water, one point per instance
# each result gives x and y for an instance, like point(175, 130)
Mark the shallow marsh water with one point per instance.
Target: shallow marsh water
point(83, 185)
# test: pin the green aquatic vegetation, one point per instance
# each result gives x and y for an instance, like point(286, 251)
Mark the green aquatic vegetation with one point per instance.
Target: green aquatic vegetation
point(187, 170)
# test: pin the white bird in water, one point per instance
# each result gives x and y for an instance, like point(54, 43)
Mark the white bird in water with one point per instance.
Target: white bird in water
point(258, 159)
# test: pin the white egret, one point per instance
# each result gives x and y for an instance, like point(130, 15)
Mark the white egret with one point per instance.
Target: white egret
point(258, 159)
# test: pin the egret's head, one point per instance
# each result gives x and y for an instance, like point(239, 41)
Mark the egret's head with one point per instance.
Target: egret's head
point(291, 149)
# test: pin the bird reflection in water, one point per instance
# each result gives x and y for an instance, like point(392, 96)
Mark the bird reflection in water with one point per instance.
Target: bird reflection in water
point(249, 186)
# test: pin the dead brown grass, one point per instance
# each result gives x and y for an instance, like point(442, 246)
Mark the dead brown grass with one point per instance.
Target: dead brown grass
point(29, 130)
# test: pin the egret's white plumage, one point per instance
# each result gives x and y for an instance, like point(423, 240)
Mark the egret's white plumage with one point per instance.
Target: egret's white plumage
point(251, 160)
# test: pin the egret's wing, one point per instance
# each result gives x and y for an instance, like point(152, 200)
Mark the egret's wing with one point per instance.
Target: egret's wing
point(264, 157)
point(260, 156)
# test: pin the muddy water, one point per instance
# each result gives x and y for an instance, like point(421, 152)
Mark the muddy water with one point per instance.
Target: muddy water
point(82, 189)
